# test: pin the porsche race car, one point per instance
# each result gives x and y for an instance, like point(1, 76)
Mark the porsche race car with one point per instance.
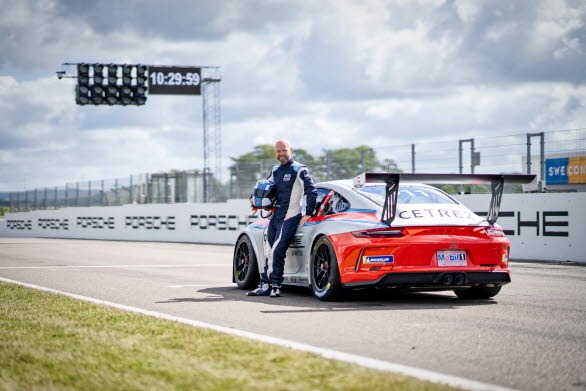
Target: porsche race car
point(390, 230)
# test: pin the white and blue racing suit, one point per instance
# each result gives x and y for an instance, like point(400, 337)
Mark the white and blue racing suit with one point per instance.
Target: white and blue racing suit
point(292, 181)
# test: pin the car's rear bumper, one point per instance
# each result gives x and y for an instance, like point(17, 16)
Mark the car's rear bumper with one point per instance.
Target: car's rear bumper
point(436, 279)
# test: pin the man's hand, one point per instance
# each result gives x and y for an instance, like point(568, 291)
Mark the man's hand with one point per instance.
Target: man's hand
point(304, 220)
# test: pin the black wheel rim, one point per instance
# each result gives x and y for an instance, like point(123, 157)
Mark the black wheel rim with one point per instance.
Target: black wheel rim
point(321, 267)
point(242, 261)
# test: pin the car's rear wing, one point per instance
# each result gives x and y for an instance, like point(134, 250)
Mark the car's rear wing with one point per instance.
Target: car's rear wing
point(392, 180)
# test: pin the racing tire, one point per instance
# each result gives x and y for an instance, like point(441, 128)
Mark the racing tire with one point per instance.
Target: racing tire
point(478, 292)
point(245, 267)
point(324, 272)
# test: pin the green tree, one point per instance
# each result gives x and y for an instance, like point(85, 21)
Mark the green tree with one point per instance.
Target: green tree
point(343, 163)
point(346, 163)
point(304, 157)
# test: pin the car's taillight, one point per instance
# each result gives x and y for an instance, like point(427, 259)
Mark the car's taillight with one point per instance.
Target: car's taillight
point(379, 233)
point(495, 232)
point(505, 256)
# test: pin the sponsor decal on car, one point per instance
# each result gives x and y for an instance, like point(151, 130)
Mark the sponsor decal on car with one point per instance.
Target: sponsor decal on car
point(379, 259)
point(451, 258)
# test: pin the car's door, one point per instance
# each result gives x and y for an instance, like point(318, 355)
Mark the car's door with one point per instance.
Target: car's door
point(299, 250)
point(328, 204)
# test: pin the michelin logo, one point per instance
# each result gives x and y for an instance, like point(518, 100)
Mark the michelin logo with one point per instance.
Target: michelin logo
point(379, 259)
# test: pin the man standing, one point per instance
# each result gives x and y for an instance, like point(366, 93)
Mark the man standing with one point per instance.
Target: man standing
point(292, 181)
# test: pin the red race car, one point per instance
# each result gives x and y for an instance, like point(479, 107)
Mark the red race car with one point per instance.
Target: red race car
point(390, 230)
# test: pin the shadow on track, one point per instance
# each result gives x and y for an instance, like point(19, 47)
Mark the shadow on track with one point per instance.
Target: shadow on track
point(302, 300)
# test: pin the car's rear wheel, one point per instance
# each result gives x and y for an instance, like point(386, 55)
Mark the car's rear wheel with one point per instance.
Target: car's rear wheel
point(245, 267)
point(478, 292)
point(325, 276)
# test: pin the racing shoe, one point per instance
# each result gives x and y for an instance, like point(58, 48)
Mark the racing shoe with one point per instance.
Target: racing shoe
point(263, 289)
point(276, 291)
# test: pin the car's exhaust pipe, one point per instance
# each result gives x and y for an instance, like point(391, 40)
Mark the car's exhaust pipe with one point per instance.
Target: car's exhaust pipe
point(447, 279)
point(459, 280)
point(453, 279)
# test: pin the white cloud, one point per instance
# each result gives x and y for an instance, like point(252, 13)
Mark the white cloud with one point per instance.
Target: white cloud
point(379, 72)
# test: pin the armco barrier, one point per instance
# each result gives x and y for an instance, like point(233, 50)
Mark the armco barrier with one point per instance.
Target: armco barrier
point(541, 226)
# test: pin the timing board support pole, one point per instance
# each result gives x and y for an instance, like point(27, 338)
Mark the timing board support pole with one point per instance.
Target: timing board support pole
point(210, 91)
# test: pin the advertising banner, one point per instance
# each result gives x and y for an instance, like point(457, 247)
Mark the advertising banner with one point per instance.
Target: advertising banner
point(540, 226)
point(561, 171)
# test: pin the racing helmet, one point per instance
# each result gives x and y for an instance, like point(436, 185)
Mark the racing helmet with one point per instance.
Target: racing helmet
point(263, 194)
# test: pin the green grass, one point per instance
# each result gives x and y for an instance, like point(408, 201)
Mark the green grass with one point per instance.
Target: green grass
point(53, 342)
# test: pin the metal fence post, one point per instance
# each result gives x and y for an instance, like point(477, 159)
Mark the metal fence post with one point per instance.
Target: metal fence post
point(230, 183)
point(363, 160)
point(56, 195)
point(528, 153)
point(166, 190)
point(131, 200)
point(89, 193)
point(461, 163)
point(542, 162)
point(413, 158)
point(327, 165)
point(471, 157)
point(116, 196)
point(541, 136)
point(76, 193)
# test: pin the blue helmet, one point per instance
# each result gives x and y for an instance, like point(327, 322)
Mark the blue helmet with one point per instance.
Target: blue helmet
point(264, 194)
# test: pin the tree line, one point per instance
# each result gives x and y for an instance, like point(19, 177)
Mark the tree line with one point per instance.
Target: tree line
point(331, 164)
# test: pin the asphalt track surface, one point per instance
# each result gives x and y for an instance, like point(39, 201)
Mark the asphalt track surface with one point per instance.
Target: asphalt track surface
point(532, 336)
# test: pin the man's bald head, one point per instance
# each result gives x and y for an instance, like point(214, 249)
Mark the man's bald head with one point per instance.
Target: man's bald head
point(282, 143)
point(283, 151)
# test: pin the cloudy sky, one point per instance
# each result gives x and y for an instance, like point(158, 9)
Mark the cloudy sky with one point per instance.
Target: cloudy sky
point(324, 74)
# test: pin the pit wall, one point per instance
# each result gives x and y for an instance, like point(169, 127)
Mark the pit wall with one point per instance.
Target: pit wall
point(540, 226)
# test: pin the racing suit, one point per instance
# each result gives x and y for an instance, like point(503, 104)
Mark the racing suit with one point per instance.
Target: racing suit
point(292, 181)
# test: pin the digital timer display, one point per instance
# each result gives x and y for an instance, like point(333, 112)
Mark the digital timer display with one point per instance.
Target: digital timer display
point(173, 80)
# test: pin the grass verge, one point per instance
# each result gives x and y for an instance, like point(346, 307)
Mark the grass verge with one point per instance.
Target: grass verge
point(52, 342)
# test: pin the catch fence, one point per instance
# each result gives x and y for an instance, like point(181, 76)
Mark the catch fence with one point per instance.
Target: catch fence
point(514, 154)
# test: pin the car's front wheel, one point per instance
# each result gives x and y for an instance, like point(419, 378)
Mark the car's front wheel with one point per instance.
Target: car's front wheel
point(478, 292)
point(325, 276)
point(245, 268)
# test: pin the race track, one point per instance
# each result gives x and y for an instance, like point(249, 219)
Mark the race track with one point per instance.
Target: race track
point(532, 336)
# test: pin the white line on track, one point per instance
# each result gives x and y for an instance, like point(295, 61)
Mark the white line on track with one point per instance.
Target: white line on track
point(368, 362)
point(113, 266)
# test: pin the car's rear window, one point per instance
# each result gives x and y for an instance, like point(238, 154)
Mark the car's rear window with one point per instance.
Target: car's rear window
point(409, 195)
